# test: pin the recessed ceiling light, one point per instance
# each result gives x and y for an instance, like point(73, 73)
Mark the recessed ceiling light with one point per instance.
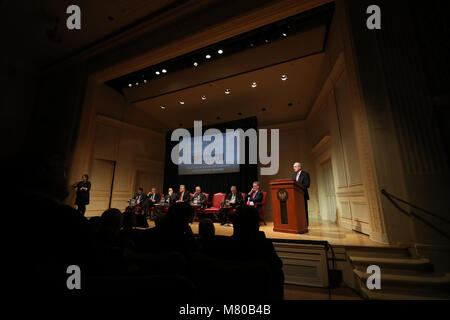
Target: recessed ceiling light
point(157, 72)
point(130, 85)
point(284, 77)
point(203, 97)
point(220, 51)
point(227, 91)
point(162, 107)
point(284, 34)
point(195, 64)
point(164, 71)
point(252, 45)
point(137, 83)
point(208, 56)
point(181, 102)
point(254, 85)
point(145, 81)
point(266, 41)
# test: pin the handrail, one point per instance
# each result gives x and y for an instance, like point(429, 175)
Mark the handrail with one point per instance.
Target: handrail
point(415, 206)
point(391, 199)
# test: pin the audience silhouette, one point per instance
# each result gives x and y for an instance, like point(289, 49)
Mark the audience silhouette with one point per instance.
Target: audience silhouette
point(115, 255)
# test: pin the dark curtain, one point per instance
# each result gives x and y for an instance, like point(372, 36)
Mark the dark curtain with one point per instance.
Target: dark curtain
point(213, 183)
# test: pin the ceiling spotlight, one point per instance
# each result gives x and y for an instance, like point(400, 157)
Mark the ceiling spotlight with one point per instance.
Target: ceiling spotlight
point(208, 56)
point(252, 45)
point(203, 97)
point(164, 71)
point(130, 85)
point(145, 81)
point(220, 51)
point(158, 73)
point(284, 77)
point(254, 85)
point(227, 91)
point(284, 34)
point(162, 107)
point(137, 83)
point(195, 64)
point(266, 41)
point(181, 102)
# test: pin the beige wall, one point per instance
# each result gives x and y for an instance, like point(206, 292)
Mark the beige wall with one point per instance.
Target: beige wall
point(293, 147)
point(328, 133)
point(138, 153)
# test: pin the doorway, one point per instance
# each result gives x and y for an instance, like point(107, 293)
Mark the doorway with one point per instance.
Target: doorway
point(102, 173)
point(327, 193)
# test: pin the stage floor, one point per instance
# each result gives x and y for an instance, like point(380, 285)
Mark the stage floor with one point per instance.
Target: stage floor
point(318, 230)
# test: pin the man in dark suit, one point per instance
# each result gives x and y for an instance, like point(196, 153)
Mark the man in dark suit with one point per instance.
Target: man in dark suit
point(183, 194)
point(254, 197)
point(232, 201)
point(152, 199)
point(302, 177)
point(198, 198)
point(140, 199)
point(170, 197)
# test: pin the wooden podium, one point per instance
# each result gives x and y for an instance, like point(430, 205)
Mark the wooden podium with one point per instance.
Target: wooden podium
point(288, 207)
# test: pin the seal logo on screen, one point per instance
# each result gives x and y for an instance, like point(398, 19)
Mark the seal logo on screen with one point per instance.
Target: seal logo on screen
point(220, 152)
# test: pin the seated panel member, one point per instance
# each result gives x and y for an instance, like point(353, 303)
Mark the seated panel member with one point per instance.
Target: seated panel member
point(254, 196)
point(183, 194)
point(152, 199)
point(233, 200)
point(198, 198)
point(140, 198)
point(170, 197)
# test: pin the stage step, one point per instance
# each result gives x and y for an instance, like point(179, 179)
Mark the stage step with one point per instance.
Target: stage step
point(404, 280)
point(403, 277)
point(386, 252)
point(401, 295)
point(412, 264)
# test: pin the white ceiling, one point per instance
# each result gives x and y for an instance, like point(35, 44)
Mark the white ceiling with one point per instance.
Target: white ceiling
point(300, 89)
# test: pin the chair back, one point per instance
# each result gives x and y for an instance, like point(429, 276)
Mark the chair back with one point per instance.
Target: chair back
point(218, 198)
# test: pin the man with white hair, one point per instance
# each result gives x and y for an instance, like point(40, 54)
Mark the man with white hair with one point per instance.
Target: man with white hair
point(183, 194)
point(303, 178)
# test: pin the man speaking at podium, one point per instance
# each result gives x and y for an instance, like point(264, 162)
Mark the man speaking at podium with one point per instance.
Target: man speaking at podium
point(302, 177)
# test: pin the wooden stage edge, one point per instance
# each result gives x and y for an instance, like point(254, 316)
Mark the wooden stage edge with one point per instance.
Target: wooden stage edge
point(318, 230)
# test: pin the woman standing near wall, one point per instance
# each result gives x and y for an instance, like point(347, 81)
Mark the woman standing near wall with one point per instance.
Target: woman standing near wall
point(83, 188)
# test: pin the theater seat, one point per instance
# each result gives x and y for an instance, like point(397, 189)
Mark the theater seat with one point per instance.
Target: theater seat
point(217, 201)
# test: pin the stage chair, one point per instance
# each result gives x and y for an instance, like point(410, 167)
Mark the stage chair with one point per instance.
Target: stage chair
point(217, 201)
point(232, 211)
point(200, 210)
point(262, 204)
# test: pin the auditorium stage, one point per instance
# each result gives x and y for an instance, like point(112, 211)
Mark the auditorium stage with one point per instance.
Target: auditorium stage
point(318, 230)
